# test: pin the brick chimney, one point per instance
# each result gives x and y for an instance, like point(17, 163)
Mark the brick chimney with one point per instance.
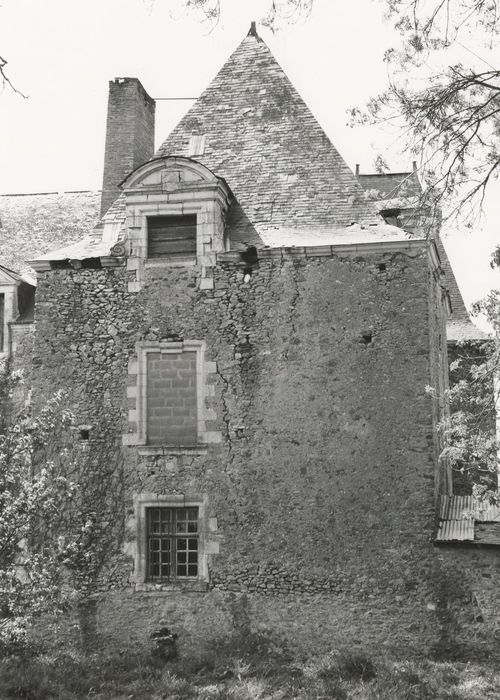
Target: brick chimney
point(129, 134)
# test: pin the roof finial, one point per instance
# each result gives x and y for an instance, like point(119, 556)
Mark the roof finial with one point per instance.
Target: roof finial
point(253, 30)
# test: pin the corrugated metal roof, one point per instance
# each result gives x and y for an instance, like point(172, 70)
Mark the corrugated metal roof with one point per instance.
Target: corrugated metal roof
point(457, 507)
point(466, 518)
point(467, 507)
point(487, 513)
point(455, 530)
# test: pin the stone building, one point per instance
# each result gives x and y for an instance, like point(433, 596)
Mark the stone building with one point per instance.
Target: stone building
point(259, 332)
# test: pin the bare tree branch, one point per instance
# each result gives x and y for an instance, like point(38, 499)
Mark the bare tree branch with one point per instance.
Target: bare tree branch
point(7, 81)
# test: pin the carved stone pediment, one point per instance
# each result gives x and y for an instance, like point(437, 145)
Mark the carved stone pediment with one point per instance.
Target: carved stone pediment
point(170, 174)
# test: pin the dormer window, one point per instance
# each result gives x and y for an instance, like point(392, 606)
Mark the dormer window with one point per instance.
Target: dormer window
point(172, 237)
point(176, 210)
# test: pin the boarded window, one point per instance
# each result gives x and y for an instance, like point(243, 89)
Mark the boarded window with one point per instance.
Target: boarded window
point(171, 406)
point(173, 540)
point(172, 237)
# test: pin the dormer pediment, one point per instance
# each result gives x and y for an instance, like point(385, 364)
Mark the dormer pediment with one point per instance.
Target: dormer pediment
point(172, 174)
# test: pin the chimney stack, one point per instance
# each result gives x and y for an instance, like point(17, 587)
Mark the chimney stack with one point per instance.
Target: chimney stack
point(130, 131)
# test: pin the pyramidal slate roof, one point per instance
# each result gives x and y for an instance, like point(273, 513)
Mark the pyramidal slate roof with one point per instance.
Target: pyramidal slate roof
point(260, 136)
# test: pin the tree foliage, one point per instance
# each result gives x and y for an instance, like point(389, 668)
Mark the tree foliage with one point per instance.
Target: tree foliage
point(470, 430)
point(446, 96)
point(62, 516)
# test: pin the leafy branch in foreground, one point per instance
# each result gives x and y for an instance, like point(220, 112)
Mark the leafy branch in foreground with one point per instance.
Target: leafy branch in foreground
point(453, 126)
point(61, 518)
point(444, 97)
point(470, 432)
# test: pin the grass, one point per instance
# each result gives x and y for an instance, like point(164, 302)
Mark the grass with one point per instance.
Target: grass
point(218, 676)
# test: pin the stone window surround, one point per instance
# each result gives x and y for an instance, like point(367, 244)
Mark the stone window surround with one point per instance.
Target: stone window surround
point(137, 416)
point(206, 544)
point(206, 213)
point(149, 192)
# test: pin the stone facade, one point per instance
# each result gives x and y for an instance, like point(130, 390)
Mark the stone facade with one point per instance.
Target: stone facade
point(269, 392)
point(320, 492)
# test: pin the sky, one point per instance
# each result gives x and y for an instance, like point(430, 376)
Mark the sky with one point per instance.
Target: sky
point(62, 55)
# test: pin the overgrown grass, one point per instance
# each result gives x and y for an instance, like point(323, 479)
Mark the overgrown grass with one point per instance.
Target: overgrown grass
point(218, 676)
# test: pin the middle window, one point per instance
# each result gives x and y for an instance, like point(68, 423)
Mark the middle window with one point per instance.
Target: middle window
point(172, 402)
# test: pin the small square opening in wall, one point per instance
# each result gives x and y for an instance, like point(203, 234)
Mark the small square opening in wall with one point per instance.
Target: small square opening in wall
point(366, 338)
point(84, 434)
point(172, 237)
point(382, 267)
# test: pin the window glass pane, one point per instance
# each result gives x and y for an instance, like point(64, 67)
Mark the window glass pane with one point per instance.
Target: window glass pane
point(163, 526)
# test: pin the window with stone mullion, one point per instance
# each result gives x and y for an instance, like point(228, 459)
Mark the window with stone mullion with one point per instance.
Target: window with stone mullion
point(172, 543)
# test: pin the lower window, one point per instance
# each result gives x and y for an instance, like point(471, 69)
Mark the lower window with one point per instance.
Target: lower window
point(172, 543)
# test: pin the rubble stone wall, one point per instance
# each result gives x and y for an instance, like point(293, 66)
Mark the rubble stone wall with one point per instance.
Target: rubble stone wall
point(321, 490)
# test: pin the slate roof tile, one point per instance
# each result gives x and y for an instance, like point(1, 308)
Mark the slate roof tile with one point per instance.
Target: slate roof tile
point(33, 224)
point(263, 140)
